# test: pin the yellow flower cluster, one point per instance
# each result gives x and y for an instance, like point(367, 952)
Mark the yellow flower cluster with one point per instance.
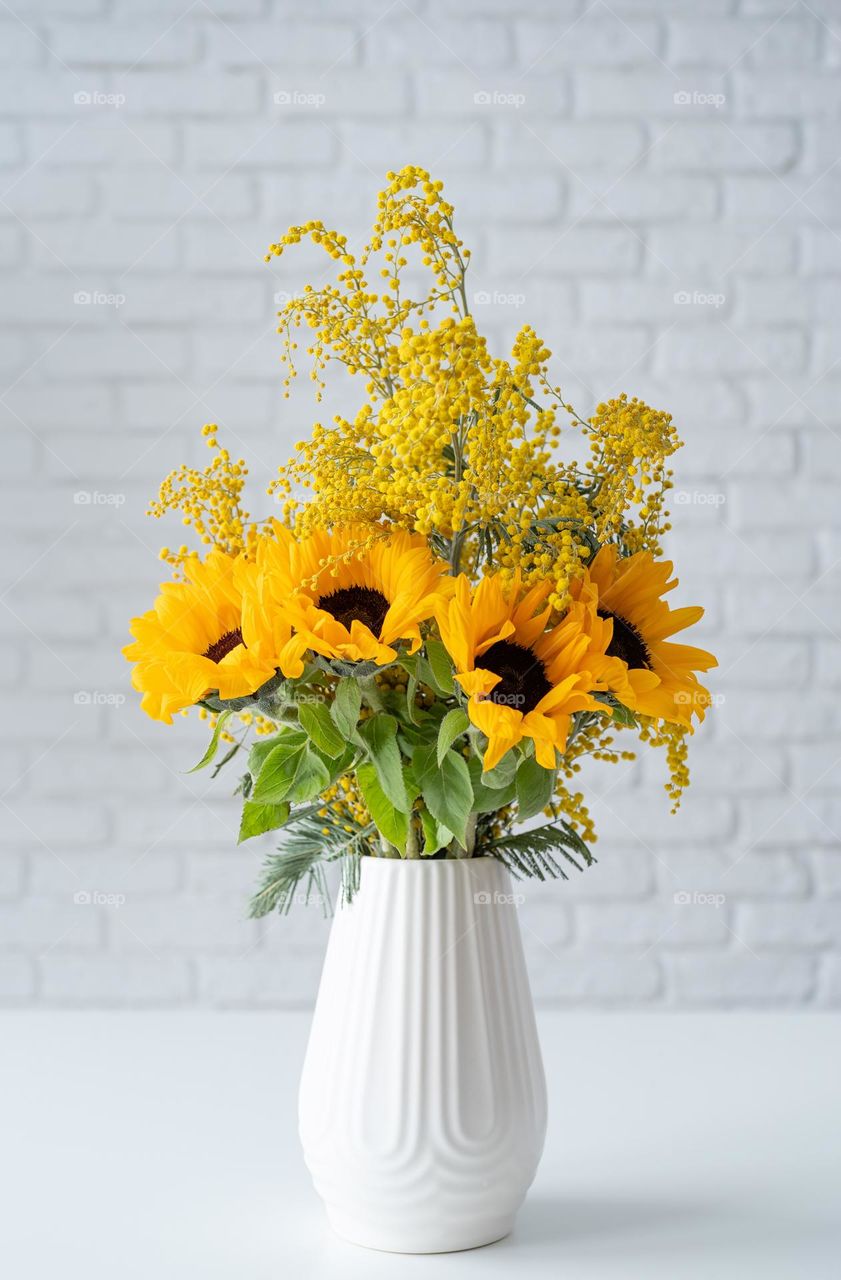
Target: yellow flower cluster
point(210, 502)
point(451, 442)
point(452, 451)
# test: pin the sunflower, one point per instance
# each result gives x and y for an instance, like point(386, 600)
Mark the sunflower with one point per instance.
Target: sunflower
point(645, 670)
point(196, 639)
point(522, 680)
point(350, 594)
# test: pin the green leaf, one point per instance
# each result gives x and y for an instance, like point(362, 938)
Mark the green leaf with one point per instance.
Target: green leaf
point(435, 835)
point(446, 788)
point(258, 818)
point(213, 744)
point(624, 717)
point(311, 777)
point(502, 774)
point(533, 853)
point(380, 737)
point(535, 786)
point(411, 693)
point(487, 799)
point(454, 724)
point(262, 748)
point(292, 770)
point(317, 722)
point(391, 822)
point(346, 704)
point(441, 666)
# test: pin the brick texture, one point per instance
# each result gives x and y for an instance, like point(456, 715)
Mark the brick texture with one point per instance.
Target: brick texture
point(654, 189)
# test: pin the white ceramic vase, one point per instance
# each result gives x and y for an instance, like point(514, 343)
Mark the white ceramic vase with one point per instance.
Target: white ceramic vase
point(423, 1099)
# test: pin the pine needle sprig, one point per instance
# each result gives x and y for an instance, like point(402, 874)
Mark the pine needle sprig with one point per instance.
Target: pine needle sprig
point(535, 853)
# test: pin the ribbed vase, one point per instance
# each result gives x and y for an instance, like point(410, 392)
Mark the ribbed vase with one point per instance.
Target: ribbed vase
point(423, 1099)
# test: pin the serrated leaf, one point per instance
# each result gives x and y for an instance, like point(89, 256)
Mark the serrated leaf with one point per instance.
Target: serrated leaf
point(441, 666)
point(213, 744)
point(454, 724)
point(380, 737)
point(391, 822)
point(435, 835)
point(347, 702)
point(487, 799)
point(535, 786)
point(277, 771)
point(258, 818)
point(317, 722)
point(502, 774)
point(446, 789)
point(311, 777)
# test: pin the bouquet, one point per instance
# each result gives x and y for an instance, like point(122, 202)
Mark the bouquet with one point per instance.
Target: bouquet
point(412, 654)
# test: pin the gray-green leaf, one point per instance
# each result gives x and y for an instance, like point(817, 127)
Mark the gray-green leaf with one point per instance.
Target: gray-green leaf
point(454, 724)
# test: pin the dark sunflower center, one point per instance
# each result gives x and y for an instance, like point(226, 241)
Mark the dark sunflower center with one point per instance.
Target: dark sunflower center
point(356, 604)
point(223, 646)
point(627, 643)
point(523, 678)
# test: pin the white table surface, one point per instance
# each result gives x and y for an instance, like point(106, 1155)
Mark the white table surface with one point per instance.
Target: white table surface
point(163, 1146)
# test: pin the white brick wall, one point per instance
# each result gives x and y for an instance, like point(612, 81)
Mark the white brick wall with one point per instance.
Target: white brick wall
point(598, 198)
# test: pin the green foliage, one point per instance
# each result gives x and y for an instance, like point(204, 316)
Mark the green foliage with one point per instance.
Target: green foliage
point(534, 853)
point(535, 786)
point(391, 821)
point(440, 666)
point(291, 771)
point(319, 725)
point(446, 788)
point(258, 818)
point(380, 737)
point(454, 724)
point(311, 839)
point(346, 705)
point(214, 742)
point(488, 799)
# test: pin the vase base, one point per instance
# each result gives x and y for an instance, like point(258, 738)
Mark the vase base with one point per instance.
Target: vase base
point(386, 1239)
